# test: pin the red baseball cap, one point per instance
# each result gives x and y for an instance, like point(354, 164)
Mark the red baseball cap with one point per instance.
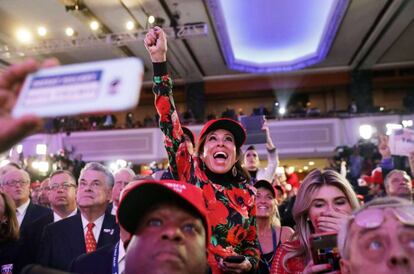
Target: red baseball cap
point(231, 125)
point(139, 196)
point(267, 185)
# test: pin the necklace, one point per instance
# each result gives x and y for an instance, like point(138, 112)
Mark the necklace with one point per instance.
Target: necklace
point(264, 260)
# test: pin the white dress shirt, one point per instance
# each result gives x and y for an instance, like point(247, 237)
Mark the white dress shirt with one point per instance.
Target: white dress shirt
point(21, 211)
point(96, 229)
point(56, 216)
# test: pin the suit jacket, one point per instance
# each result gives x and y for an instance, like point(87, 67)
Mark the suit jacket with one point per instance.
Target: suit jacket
point(33, 213)
point(31, 237)
point(64, 241)
point(98, 262)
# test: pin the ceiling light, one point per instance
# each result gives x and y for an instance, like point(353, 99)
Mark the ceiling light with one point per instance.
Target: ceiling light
point(282, 110)
point(69, 31)
point(94, 25)
point(151, 19)
point(270, 41)
point(42, 31)
point(366, 131)
point(311, 163)
point(24, 36)
point(305, 168)
point(130, 25)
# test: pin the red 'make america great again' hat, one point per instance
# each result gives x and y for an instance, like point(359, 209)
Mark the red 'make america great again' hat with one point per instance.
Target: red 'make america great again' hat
point(138, 197)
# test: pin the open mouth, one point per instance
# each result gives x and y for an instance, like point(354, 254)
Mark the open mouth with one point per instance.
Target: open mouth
point(220, 155)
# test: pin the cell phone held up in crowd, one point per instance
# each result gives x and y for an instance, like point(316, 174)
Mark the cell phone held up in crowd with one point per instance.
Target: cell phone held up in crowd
point(324, 249)
point(253, 126)
point(87, 88)
point(236, 259)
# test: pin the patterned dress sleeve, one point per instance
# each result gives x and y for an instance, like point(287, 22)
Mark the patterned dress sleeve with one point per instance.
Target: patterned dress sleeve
point(250, 244)
point(169, 123)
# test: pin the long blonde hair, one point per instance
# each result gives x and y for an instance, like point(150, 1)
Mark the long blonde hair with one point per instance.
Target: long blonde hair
point(312, 182)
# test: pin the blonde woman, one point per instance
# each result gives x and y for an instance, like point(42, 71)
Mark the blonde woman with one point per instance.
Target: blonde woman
point(270, 233)
point(323, 202)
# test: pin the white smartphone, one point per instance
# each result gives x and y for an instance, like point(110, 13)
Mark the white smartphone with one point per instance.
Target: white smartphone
point(95, 87)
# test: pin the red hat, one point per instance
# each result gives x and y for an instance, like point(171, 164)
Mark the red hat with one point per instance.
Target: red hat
point(267, 185)
point(190, 134)
point(375, 178)
point(139, 196)
point(231, 125)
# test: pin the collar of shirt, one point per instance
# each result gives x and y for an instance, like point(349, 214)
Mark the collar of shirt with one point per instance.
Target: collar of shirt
point(21, 211)
point(56, 216)
point(96, 229)
point(114, 209)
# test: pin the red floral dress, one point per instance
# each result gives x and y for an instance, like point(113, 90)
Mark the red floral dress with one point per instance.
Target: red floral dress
point(295, 265)
point(230, 205)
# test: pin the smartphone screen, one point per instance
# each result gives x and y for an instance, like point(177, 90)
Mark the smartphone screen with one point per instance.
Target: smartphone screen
point(87, 88)
point(324, 249)
point(235, 259)
point(253, 126)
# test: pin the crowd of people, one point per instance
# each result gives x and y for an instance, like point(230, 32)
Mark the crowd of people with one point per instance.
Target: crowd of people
point(216, 210)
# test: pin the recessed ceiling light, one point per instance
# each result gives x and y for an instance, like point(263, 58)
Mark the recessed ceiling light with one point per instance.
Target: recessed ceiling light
point(24, 36)
point(94, 25)
point(42, 31)
point(130, 25)
point(69, 31)
point(151, 19)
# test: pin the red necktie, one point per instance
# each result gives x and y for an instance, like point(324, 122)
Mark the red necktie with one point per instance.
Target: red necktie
point(90, 239)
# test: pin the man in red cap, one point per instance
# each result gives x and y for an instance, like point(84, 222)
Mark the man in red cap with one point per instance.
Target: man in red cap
point(169, 222)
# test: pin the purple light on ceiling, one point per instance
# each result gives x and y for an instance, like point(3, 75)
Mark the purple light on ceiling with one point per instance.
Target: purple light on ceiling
point(276, 35)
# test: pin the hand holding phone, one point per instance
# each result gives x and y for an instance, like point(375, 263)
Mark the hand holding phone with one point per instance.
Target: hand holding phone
point(235, 259)
point(12, 129)
point(96, 87)
point(324, 250)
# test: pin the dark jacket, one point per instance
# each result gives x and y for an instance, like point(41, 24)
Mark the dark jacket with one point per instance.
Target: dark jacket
point(98, 262)
point(64, 241)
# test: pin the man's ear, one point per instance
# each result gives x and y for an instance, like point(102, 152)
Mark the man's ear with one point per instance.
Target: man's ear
point(345, 266)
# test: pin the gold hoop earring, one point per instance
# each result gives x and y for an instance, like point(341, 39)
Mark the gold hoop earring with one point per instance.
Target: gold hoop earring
point(234, 171)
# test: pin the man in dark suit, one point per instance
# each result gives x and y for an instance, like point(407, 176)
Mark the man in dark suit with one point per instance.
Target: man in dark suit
point(16, 183)
point(62, 197)
point(93, 228)
point(104, 260)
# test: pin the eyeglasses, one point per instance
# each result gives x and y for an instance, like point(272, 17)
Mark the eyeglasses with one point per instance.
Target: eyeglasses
point(15, 182)
point(374, 216)
point(122, 183)
point(64, 186)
